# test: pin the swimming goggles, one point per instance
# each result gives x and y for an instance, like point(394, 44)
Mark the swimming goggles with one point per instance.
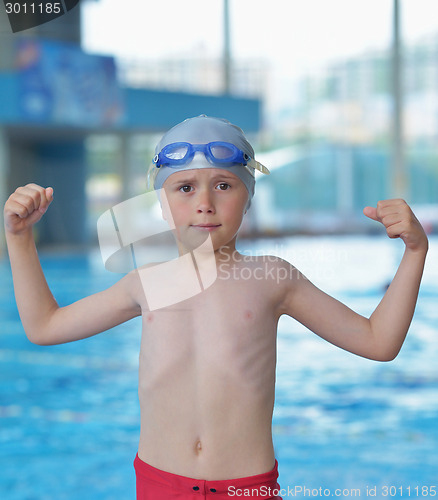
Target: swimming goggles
point(217, 153)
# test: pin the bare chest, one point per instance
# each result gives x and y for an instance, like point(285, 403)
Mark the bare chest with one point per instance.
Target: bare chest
point(229, 327)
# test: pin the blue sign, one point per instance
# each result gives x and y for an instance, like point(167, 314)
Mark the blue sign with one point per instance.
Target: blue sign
point(58, 83)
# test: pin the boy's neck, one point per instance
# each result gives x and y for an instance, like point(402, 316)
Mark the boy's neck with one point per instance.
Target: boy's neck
point(226, 253)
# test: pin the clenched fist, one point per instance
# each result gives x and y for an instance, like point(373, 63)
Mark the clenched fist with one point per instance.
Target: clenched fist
point(399, 222)
point(25, 207)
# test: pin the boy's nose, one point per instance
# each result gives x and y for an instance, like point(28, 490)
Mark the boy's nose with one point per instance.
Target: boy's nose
point(205, 202)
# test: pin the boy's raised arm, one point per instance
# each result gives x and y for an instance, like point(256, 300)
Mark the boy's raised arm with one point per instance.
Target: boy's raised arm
point(382, 335)
point(392, 317)
point(43, 320)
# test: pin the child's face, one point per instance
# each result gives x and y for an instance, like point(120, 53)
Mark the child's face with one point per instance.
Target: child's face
point(205, 201)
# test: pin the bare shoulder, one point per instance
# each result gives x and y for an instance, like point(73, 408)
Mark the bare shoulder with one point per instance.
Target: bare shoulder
point(288, 281)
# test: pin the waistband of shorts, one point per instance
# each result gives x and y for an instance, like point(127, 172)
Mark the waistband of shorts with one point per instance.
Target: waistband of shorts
point(264, 482)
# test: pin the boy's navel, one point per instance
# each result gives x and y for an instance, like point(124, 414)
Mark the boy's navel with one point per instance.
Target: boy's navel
point(198, 446)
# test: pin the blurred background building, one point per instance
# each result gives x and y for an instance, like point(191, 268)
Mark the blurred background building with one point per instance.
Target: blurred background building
point(85, 125)
point(80, 112)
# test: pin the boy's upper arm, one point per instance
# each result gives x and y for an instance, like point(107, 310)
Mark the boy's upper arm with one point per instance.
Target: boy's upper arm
point(326, 316)
point(95, 313)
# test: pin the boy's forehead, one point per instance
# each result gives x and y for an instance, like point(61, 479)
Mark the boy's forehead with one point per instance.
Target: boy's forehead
point(200, 174)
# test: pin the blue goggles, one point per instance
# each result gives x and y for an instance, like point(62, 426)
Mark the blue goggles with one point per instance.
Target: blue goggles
point(217, 153)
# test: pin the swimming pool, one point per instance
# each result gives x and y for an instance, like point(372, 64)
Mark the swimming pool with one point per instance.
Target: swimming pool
point(69, 415)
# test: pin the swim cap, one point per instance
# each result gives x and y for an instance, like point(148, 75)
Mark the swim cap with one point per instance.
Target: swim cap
point(202, 130)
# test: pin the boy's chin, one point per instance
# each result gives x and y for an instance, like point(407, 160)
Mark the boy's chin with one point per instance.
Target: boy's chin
point(202, 243)
point(192, 240)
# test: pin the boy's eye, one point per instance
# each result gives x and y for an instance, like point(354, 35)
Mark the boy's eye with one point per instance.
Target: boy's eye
point(223, 186)
point(186, 188)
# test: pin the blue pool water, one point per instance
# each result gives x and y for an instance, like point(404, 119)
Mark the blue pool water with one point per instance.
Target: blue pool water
point(69, 415)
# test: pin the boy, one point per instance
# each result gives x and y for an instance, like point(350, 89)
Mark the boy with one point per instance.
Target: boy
point(207, 363)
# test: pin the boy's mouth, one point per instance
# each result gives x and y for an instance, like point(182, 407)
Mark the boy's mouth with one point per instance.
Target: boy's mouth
point(206, 227)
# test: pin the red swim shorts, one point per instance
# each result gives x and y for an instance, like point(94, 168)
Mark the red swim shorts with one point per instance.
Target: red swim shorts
point(155, 484)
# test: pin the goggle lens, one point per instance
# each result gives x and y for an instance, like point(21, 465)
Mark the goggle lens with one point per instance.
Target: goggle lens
point(222, 152)
point(175, 151)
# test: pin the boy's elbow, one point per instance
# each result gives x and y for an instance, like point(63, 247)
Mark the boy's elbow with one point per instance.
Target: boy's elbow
point(385, 346)
point(38, 337)
point(43, 331)
point(387, 355)
point(41, 343)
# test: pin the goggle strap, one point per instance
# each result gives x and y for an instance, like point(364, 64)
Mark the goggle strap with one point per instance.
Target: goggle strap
point(258, 166)
point(151, 176)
